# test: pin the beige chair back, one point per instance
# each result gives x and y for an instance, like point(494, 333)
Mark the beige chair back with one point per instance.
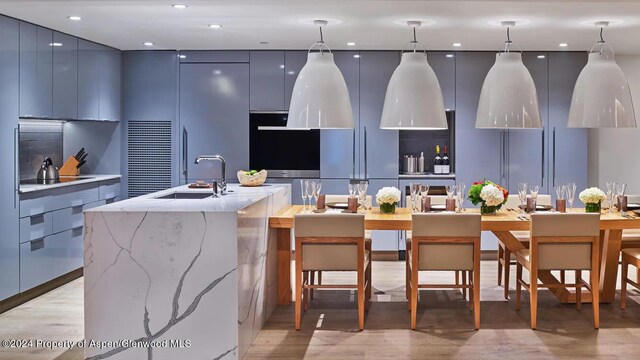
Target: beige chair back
point(344, 198)
point(320, 236)
point(432, 230)
point(563, 241)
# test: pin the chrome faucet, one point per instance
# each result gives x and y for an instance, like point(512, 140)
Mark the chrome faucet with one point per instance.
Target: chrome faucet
point(223, 183)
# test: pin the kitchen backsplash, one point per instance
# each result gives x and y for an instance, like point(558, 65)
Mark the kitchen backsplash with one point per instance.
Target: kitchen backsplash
point(37, 141)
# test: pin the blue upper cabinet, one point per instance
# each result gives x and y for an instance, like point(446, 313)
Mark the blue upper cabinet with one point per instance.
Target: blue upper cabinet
point(567, 147)
point(339, 154)
point(65, 76)
point(444, 65)
point(267, 71)
point(293, 63)
point(88, 80)
point(478, 151)
point(381, 157)
point(110, 83)
point(36, 71)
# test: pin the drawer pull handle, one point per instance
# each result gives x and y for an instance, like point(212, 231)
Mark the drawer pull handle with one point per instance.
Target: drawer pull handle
point(37, 244)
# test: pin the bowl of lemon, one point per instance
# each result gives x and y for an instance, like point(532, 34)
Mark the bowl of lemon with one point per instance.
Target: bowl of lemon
point(252, 177)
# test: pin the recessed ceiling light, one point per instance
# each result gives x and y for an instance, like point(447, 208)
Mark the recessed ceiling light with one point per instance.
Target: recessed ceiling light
point(180, 6)
point(457, 44)
point(563, 44)
point(357, 56)
point(147, 43)
point(182, 56)
point(541, 56)
point(74, 18)
point(281, 66)
point(264, 42)
point(291, 72)
point(56, 44)
point(215, 26)
point(351, 44)
point(217, 72)
point(449, 55)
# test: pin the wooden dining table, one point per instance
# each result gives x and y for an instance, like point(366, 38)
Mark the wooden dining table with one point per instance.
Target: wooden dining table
point(500, 224)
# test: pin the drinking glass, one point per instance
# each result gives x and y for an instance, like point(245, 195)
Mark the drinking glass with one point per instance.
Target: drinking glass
point(413, 191)
point(571, 194)
point(451, 189)
point(353, 188)
point(362, 193)
point(316, 191)
point(522, 195)
point(304, 184)
point(611, 192)
point(460, 193)
point(533, 190)
point(620, 190)
point(424, 192)
point(561, 192)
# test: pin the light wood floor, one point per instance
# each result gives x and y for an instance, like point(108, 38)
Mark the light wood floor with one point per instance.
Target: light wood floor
point(329, 329)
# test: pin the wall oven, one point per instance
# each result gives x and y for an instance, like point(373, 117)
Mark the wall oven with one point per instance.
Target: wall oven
point(283, 153)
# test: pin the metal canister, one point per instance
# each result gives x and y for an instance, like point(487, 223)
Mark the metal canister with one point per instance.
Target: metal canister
point(410, 164)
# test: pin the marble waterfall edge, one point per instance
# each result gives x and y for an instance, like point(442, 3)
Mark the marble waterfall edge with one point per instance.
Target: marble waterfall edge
point(179, 284)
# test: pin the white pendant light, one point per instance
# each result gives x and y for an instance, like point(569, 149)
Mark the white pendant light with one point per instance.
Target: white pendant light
point(601, 97)
point(508, 99)
point(320, 98)
point(414, 98)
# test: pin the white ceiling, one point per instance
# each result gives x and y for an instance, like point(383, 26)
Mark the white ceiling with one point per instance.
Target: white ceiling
point(374, 24)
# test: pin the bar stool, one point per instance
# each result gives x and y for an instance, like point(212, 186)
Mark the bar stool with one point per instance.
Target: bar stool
point(561, 242)
point(331, 242)
point(445, 242)
point(629, 257)
point(367, 238)
point(505, 258)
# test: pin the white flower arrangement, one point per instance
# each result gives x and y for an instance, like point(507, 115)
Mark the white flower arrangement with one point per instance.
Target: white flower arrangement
point(388, 195)
point(491, 195)
point(592, 195)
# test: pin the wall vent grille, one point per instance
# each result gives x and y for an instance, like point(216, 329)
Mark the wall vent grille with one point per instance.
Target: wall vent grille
point(149, 156)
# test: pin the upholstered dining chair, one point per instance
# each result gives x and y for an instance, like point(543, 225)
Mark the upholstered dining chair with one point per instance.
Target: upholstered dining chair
point(561, 242)
point(331, 242)
point(630, 256)
point(367, 238)
point(505, 258)
point(445, 242)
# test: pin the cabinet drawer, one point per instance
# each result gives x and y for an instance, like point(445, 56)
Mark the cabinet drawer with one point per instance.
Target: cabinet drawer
point(36, 227)
point(36, 262)
point(110, 191)
point(69, 252)
point(68, 218)
point(56, 200)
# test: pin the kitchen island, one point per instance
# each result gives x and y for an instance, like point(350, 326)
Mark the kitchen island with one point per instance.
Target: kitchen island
point(180, 274)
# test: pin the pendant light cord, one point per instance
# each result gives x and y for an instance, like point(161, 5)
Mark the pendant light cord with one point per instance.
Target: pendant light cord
point(601, 38)
point(415, 40)
point(508, 42)
point(321, 39)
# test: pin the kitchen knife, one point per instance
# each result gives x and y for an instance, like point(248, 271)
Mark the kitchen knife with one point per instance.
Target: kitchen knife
point(80, 164)
point(79, 154)
point(83, 157)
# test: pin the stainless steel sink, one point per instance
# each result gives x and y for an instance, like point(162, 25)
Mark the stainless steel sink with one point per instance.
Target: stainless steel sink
point(186, 195)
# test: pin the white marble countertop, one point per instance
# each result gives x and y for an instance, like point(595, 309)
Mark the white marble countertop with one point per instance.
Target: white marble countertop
point(238, 197)
point(27, 188)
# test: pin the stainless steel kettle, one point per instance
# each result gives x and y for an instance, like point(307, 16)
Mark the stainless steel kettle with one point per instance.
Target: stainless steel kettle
point(48, 171)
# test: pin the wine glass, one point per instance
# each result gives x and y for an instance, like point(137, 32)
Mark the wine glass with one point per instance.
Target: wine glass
point(311, 188)
point(620, 190)
point(362, 193)
point(316, 190)
point(571, 194)
point(460, 193)
point(424, 193)
point(451, 189)
point(533, 190)
point(561, 192)
point(415, 189)
point(304, 184)
point(611, 192)
point(353, 188)
point(522, 195)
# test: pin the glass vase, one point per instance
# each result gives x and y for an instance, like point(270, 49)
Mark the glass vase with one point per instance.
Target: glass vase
point(488, 210)
point(386, 208)
point(592, 207)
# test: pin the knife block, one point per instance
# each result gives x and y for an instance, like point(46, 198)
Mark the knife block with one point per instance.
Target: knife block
point(70, 167)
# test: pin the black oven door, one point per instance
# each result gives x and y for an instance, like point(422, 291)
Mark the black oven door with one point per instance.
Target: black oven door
point(283, 153)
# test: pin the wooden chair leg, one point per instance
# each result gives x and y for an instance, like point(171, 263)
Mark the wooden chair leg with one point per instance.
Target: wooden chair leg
point(457, 277)
point(407, 274)
point(533, 298)
point(518, 285)
point(476, 297)
point(500, 257)
point(471, 294)
point(595, 284)
point(298, 280)
point(507, 271)
point(623, 284)
point(414, 287)
point(361, 285)
point(312, 276)
point(369, 270)
point(562, 277)
point(319, 277)
point(464, 282)
point(578, 289)
point(305, 296)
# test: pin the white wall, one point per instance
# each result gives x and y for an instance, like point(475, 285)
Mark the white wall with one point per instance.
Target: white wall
point(614, 154)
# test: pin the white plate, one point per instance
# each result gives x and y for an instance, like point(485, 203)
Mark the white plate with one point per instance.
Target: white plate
point(438, 207)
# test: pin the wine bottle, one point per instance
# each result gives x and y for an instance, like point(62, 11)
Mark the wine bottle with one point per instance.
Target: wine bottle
point(446, 168)
point(437, 162)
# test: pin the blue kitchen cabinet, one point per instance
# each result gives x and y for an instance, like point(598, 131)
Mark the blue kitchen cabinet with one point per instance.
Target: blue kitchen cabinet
point(9, 112)
point(478, 151)
point(445, 68)
point(381, 157)
point(65, 76)
point(567, 147)
point(267, 69)
point(339, 148)
point(294, 61)
point(526, 157)
point(109, 106)
point(89, 74)
point(36, 71)
point(214, 112)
